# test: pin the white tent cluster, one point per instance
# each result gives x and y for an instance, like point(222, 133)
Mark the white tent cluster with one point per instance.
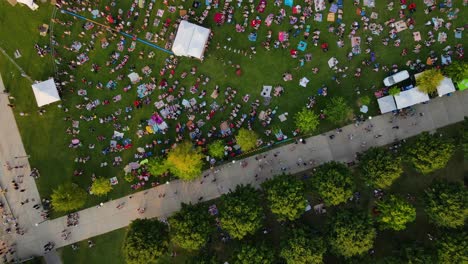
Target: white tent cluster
point(190, 40)
point(45, 92)
point(412, 97)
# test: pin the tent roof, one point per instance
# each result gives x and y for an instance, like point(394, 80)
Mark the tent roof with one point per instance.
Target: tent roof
point(387, 104)
point(446, 86)
point(29, 3)
point(190, 40)
point(410, 97)
point(45, 92)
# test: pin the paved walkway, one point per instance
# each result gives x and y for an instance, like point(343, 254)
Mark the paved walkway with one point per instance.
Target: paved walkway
point(99, 220)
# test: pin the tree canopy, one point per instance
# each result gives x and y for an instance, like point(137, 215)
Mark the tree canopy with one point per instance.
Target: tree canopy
point(68, 197)
point(285, 197)
point(146, 240)
point(351, 233)
point(428, 80)
point(447, 204)
point(253, 254)
point(240, 213)
point(429, 152)
point(101, 186)
point(157, 166)
point(337, 110)
point(457, 71)
point(306, 120)
point(395, 213)
point(334, 183)
point(216, 149)
point(185, 161)
point(300, 248)
point(453, 247)
point(191, 227)
point(246, 139)
point(380, 168)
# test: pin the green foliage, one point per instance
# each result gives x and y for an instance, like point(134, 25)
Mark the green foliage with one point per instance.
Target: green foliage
point(101, 186)
point(429, 152)
point(457, 71)
point(185, 161)
point(337, 110)
point(334, 183)
point(453, 248)
point(157, 166)
point(394, 91)
point(351, 233)
point(365, 100)
point(216, 149)
point(447, 204)
point(249, 254)
point(285, 197)
point(145, 242)
point(68, 197)
point(416, 254)
point(395, 213)
point(306, 120)
point(428, 80)
point(300, 248)
point(240, 212)
point(191, 227)
point(129, 177)
point(380, 168)
point(246, 139)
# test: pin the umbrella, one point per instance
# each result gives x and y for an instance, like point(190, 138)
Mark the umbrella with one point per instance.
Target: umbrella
point(218, 18)
point(364, 109)
point(75, 141)
point(134, 165)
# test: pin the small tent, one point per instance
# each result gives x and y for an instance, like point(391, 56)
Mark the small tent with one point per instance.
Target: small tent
point(190, 40)
point(410, 97)
point(45, 92)
point(386, 104)
point(446, 86)
point(29, 3)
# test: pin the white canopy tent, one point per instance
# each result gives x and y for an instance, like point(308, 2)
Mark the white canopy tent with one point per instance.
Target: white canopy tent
point(29, 3)
point(45, 92)
point(386, 104)
point(190, 40)
point(410, 97)
point(446, 86)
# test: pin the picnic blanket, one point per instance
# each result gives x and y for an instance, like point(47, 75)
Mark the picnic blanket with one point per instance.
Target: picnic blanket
point(356, 45)
point(369, 3)
point(319, 5)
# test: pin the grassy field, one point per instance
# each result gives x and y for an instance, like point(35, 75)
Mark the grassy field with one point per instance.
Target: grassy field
point(44, 135)
point(387, 243)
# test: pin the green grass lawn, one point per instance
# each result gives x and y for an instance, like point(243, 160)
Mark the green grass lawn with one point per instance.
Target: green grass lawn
point(387, 242)
point(44, 136)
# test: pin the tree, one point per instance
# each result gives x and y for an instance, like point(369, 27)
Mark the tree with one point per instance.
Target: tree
point(68, 197)
point(185, 161)
point(216, 149)
point(146, 240)
point(337, 110)
point(101, 186)
point(351, 233)
point(457, 71)
point(246, 139)
point(306, 120)
point(380, 168)
point(415, 253)
point(334, 183)
point(394, 91)
point(428, 80)
point(285, 197)
point(250, 254)
point(453, 248)
point(240, 213)
point(447, 204)
point(300, 248)
point(191, 227)
point(157, 166)
point(429, 153)
point(395, 213)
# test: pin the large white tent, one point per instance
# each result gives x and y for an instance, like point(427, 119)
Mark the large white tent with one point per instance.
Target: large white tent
point(446, 86)
point(190, 40)
point(29, 3)
point(410, 97)
point(387, 104)
point(45, 92)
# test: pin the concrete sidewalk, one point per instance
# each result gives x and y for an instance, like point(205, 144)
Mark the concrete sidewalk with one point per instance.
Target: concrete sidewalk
point(318, 149)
